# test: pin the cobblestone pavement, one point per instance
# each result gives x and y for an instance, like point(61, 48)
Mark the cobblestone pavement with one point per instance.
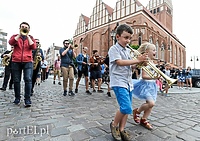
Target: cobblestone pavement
point(83, 117)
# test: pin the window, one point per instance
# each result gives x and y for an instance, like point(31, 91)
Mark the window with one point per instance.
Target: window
point(157, 47)
point(154, 11)
point(140, 39)
point(158, 9)
point(175, 50)
point(162, 52)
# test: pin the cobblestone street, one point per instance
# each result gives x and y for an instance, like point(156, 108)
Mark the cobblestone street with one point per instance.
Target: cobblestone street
point(54, 117)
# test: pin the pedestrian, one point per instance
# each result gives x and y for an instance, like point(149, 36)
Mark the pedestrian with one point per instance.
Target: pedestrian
point(44, 67)
point(145, 88)
point(181, 75)
point(57, 70)
point(83, 68)
point(106, 74)
point(67, 54)
point(22, 61)
point(95, 70)
point(37, 58)
point(189, 77)
point(166, 71)
point(7, 57)
point(120, 67)
point(159, 83)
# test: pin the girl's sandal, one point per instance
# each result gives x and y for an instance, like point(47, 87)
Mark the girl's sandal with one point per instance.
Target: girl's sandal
point(146, 124)
point(136, 116)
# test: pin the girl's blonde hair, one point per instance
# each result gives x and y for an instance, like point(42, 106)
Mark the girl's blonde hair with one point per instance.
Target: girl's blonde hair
point(143, 47)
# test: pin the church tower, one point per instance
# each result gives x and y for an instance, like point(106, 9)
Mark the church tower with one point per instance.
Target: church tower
point(163, 10)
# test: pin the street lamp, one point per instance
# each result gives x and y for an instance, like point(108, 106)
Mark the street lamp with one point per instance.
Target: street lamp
point(113, 34)
point(195, 59)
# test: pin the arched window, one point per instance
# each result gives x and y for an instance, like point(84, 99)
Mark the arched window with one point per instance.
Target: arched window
point(179, 56)
point(170, 53)
point(140, 39)
point(162, 52)
point(150, 39)
point(157, 48)
point(175, 53)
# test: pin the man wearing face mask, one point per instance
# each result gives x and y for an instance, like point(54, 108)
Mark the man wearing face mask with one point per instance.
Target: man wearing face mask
point(67, 54)
point(22, 61)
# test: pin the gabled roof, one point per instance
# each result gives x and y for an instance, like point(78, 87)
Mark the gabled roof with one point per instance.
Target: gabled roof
point(86, 19)
point(109, 9)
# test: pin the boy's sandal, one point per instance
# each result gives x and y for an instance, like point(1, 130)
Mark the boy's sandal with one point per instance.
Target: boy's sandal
point(136, 116)
point(146, 124)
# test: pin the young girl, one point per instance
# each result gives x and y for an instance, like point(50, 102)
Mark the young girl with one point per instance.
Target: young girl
point(189, 77)
point(145, 88)
point(181, 77)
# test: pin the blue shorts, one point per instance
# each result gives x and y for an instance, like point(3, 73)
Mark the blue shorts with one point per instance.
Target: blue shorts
point(181, 79)
point(188, 77)
point(95, 74)
point(124, 99)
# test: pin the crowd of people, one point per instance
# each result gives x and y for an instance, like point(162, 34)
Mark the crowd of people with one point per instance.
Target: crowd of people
point(118, 70)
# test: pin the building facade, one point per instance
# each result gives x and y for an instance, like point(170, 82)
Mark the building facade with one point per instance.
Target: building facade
point(153, 23)
point(3, 43)
point(52, 53)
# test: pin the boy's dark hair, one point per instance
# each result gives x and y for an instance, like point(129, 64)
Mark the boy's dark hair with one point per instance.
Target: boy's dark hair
point(65, 41)
point(24, 23)
point(94, 51)
point(123, 27)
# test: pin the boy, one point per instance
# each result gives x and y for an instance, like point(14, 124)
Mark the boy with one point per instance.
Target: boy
point(120, 80)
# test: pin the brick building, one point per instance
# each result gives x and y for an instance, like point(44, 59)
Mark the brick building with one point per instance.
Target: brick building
point(153, 23)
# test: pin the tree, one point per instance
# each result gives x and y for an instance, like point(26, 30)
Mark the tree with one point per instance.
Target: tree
point(134, 46)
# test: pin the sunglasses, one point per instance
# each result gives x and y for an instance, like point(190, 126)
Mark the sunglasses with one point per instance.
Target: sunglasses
point(67, 43)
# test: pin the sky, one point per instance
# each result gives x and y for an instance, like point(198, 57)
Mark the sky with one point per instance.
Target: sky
point(53, 21)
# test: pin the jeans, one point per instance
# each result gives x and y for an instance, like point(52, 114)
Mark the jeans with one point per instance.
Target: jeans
point(34, 76)
point(8, 74)
point(27, 68)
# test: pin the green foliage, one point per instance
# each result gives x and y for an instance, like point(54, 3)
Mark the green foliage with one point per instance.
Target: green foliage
point(70, 41)
point(134, 46)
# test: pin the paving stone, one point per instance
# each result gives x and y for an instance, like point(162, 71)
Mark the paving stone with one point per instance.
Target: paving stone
point(62, 138)
point(161, 134)
point(176, 128)
point(59, 131)
point(74, 128)
point(62, 124)
point(79, 136)
point(168, 130)
point(189, 122)
point(148, 137)
point(94, 132)
point(197, 128)
point(193, 133)
point(186, 137)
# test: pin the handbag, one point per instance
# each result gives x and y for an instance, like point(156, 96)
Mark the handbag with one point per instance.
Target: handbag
point(75, 69)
